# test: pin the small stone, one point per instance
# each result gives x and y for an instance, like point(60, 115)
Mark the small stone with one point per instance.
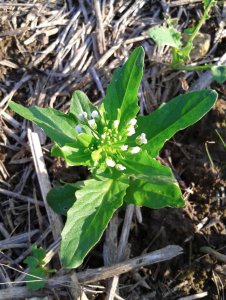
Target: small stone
point(201, 45)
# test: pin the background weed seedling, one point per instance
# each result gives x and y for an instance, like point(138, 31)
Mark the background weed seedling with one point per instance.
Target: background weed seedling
point(37, 269)
point(181, 50)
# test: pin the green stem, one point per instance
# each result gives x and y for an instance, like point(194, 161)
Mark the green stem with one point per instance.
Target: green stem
point(95, 133)
point(192, 68)
point(182, 54)
point(201, 22)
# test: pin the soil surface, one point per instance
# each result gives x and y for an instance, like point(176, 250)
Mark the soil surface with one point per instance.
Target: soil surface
point(47, 52)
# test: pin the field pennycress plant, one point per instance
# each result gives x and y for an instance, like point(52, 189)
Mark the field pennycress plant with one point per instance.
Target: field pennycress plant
point(120, 150)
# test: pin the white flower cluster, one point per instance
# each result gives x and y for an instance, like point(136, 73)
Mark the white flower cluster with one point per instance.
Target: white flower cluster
point(110, 141)
point(141, 139)
point(83, 118)
point(111, 163)
point(131, 127)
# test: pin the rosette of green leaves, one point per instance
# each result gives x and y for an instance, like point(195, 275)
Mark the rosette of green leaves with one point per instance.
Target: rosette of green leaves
point(124, 169)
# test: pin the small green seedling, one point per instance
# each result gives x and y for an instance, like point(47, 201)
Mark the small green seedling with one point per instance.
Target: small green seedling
point(169, 36)
point(120, 150)
point(37, 269)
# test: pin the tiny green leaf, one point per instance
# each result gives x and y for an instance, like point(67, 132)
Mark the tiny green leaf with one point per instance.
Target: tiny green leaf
point(88, 217)
point(173, 116)
point(219, 73)
point(35, 281)
point(38, 253)
point(122, 91)
point(31, 261)
point(164, 36)
point(61, 198)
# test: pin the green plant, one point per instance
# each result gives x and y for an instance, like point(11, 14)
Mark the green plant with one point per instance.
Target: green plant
point(120, 150)
point(35, 280)
point(170, 36)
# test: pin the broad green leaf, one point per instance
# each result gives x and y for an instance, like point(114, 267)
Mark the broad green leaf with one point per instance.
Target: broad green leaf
point(87, 219)
point(58, 126)
point(165, 36)
point(61, 198)
point(74, 154)
point(80, 103)
point(143, 166)
point(35, 282)
point(219, 73)
point(154, 195)
point(152, 184)
point(175, 115)
point(120, 101)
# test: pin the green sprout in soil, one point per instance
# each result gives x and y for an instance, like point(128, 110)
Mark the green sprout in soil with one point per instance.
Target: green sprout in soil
point(119, 148)
point(36, 279)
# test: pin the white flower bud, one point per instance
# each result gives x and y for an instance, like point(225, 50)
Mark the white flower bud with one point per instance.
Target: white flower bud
point(130, 130)
point(120, 167)
point(110, 162)
point(82, 116)
point(78, 128)
point(134, 150)
point(103, 136)
point(116, 124)
point(141, 139)
point(95, 114)
point(124, 147)
point(132, 122)
point(92, 123)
